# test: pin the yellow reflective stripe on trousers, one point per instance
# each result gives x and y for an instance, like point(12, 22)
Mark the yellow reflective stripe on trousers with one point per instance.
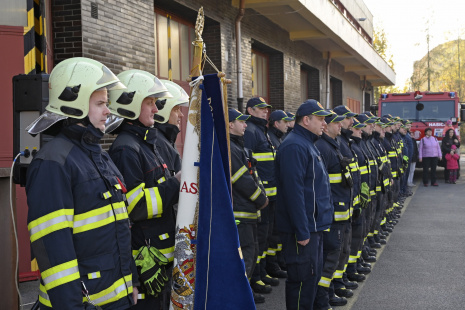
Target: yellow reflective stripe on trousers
point(363, 170)
point(392, 154)
point(255, 194)
point(356, 200)
point(116, 291)
point(245, 215)
point(394, 173)
point(335, 177)
point(378, 188)
point(352, 259)
point(372, 193)
point(325, 282)
point(154, 203)
point(134, 196)
point(341, 215)
point(372, 162)
point(99, 217)
point(43, 296)
point(270, 191)
point(50, 223)
point(263, 156)
point(60, 274)
point(386, 182)
point(238, 174)
point(338, 274)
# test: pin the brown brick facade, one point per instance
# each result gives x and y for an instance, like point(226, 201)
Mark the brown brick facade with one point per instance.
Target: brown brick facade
point(122, 37)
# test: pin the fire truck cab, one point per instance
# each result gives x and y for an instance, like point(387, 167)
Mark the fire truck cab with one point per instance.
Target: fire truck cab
point(424, 109)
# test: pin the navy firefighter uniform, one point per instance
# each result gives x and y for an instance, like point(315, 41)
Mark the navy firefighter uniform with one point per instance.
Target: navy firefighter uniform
point(304, 208)
point(80, 233)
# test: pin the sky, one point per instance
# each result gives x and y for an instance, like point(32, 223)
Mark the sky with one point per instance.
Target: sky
point(405, 23)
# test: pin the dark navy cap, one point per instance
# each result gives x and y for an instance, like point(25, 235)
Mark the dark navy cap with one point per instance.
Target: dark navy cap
point(334, 118)
point(365, 119)
point(257, 102)
point(312, 107)
point(369, 114)
point(236, 115)
point(357, 124)
point(290, 114)
point(344, 110)
point(386, 121)
point(280, 115)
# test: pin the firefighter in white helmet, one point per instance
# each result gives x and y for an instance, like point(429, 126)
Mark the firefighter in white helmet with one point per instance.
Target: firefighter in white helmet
point(168, 121)
point(77, 217)
point(152, 189)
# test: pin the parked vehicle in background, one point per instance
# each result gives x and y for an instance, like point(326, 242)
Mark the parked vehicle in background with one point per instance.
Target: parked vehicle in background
point(424, 109)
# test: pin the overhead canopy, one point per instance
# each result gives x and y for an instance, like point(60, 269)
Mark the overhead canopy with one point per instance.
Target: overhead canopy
point(321, 24)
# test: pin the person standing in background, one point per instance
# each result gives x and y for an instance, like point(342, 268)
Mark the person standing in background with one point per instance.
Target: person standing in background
point(429, 153)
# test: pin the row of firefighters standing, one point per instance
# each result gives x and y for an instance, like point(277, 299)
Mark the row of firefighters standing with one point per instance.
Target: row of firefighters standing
point(367, 160)
point(102, 225)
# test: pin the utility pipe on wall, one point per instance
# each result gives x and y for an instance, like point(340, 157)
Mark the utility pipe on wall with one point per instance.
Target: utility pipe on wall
point(328, 85)
point(240, 95)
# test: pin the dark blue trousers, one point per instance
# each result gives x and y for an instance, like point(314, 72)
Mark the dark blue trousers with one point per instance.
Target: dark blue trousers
point(304, 265)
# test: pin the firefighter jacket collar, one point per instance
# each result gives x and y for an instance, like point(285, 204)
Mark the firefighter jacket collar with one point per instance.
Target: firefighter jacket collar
point(170, 131)
point(147, 134)
point(278, 133)
point(260, 122)
point(388, 135)
point(306, 133)
point(356, 139)
point(237, 139)
point(366, 136)
point(330, 140)
point(346, 133)
point(88, 137)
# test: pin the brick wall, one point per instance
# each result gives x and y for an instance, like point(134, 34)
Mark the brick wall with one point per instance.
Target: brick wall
point(122, 37)
point(66, 29)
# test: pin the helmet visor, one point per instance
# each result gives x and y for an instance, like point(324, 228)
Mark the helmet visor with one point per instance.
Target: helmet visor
point(43, 122)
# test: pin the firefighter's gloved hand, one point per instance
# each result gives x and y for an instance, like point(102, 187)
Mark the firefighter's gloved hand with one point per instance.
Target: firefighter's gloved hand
point(364, 195)
point(151, 264)
point(405, 158)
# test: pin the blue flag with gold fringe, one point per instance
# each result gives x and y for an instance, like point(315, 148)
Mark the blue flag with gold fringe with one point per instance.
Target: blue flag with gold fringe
point(221, 282)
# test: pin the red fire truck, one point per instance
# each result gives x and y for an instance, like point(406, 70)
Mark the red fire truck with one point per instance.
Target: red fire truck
point(424, 109)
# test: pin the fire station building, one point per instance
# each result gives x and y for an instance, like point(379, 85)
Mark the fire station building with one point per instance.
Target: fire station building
point(285, 51)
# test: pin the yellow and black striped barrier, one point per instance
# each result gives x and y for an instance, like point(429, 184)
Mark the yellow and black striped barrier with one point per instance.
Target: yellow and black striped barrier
point(35, 46)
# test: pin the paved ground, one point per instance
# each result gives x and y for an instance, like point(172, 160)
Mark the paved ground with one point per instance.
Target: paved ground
point(421, 267)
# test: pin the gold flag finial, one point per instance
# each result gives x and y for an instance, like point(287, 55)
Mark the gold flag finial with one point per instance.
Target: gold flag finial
point(199, 25)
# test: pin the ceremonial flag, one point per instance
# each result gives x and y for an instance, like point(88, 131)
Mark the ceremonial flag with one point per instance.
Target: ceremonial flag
point(221, 281)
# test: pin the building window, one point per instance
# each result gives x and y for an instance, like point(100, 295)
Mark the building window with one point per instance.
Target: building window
point(336, 92)
point(260, 69)
point(309, 83)
point(175, 34)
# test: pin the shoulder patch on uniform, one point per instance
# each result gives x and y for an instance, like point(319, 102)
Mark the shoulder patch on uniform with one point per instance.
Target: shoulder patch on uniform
point(56, 150)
